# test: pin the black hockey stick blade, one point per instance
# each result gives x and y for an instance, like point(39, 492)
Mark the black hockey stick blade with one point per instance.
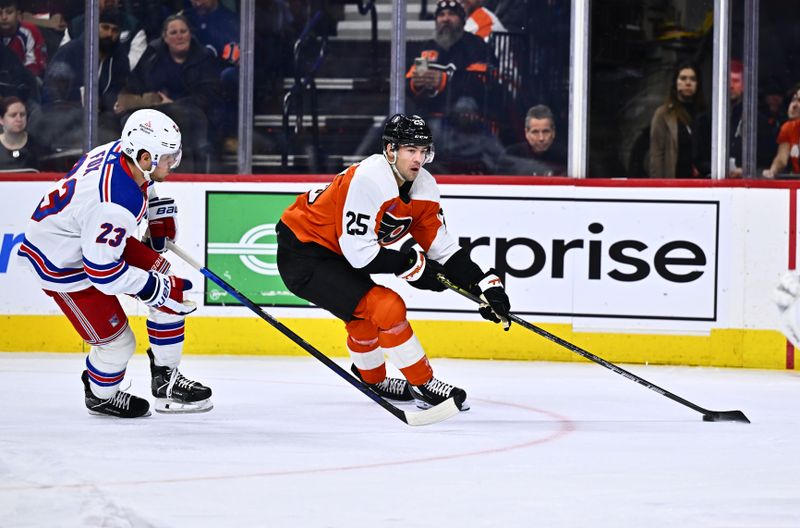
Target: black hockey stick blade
point(437, 413)
point(708, 416)
point(725, 416)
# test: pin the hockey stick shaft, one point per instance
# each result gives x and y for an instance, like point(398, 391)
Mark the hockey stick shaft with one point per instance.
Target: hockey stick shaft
point(432, 415)
point(708, 415)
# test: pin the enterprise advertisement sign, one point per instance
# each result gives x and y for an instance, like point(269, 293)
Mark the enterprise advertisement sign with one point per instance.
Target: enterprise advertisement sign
point(588, 257)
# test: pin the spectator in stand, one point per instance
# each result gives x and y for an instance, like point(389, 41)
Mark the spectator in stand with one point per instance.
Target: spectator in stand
point(772, 101)
point(513, 13)
point(150, 14)
point(23, 38)
point(793, 110)
point(180, 77)
point(480, 20)
point(671, 142)
point(214, 25)
point(449, 73)
point(132, 37)
point(217, 28)
point(50, 17)
point(702, 138)
point(64, 77)
point(16, 79)
point(19, 149)
point(539, 154)
point(788, 141)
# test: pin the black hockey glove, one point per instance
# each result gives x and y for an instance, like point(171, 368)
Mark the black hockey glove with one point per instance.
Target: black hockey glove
point(421, 271)
point(496, 305)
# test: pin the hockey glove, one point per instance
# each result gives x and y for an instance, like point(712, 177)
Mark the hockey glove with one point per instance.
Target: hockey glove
point(496, 305)
point(786, 297)
point(163, 224)
point(422, 272)
point(165, 292)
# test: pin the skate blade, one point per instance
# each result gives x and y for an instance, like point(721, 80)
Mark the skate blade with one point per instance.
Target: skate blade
point(165, 406)
point(104, 415)
point(422, 404)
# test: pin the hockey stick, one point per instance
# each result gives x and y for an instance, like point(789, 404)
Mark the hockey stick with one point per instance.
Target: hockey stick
point(708, 416)
point(435, 414)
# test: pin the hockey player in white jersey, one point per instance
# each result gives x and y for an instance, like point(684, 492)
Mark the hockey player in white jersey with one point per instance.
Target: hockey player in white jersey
point(787, 298)
point(81, 245)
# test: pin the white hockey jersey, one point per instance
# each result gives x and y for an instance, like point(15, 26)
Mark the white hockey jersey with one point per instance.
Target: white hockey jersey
point(76, 235)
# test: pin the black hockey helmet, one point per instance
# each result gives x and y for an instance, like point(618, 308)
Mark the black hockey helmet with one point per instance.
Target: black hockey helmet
point(403, 129)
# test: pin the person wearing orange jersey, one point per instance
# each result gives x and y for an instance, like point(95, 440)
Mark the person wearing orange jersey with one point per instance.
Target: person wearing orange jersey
point(481, 21)
point(331, 240)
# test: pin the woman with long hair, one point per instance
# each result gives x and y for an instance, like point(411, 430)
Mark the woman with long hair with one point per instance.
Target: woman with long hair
point(671, 131)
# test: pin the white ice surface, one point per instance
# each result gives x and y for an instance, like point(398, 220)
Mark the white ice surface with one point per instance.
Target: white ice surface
point(291, 444)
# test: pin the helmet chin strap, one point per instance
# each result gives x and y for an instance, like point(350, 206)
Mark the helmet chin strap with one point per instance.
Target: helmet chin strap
point(146, 174)
point(393, 165)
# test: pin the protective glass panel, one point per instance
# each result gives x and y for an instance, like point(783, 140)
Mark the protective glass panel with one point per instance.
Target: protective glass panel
point(50, 88)
point(475, 73)
point(321, 84)
point(777, 128)
point(650, 88)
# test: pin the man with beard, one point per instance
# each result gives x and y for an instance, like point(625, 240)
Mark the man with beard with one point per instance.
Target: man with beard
point(64, 78)
point(132, 36)
point(447, 79)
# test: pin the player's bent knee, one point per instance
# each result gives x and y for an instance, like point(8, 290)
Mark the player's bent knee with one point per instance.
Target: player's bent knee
point(118, 351)
point(387, 307)
point(362, 329)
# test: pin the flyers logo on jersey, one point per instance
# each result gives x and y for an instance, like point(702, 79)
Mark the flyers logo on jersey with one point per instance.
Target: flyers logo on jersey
point(392, 229)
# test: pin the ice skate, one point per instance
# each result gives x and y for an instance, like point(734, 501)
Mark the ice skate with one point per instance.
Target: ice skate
point(390, 388)
point(175, 393)
point(435, 392)
point(121, 405)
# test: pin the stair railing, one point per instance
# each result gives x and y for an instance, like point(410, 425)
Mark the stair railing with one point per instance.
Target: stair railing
point(303, 82)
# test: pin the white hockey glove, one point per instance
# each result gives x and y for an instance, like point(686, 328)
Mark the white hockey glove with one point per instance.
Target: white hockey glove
point(162, 222)
point(421, 272)
point(165, 292)
point(786, 297)
point(495, 306)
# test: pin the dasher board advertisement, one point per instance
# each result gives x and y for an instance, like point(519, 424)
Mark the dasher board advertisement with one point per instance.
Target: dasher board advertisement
point(565, 257)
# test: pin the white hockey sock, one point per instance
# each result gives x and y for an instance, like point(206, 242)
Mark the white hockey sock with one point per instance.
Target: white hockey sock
point(106, 364)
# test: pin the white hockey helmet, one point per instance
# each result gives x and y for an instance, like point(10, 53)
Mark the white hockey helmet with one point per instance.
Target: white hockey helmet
point(154, 132)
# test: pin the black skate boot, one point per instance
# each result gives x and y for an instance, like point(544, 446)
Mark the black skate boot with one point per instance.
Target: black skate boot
point(390, 388)
point(121, 405)
point(435, 392)
point(175, 393)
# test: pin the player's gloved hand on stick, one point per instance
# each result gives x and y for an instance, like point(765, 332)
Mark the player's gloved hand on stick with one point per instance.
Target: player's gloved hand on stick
point(165, 292)
point(162, 221)
point(786, 297)
point(496, 305)
point(422, 272)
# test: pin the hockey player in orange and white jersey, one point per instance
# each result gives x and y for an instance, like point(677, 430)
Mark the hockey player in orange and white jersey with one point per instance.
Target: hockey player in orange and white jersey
point(330, 241)
point(80, 244)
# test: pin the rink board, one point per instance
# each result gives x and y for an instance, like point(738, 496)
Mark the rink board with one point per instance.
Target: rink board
point(657, 272)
